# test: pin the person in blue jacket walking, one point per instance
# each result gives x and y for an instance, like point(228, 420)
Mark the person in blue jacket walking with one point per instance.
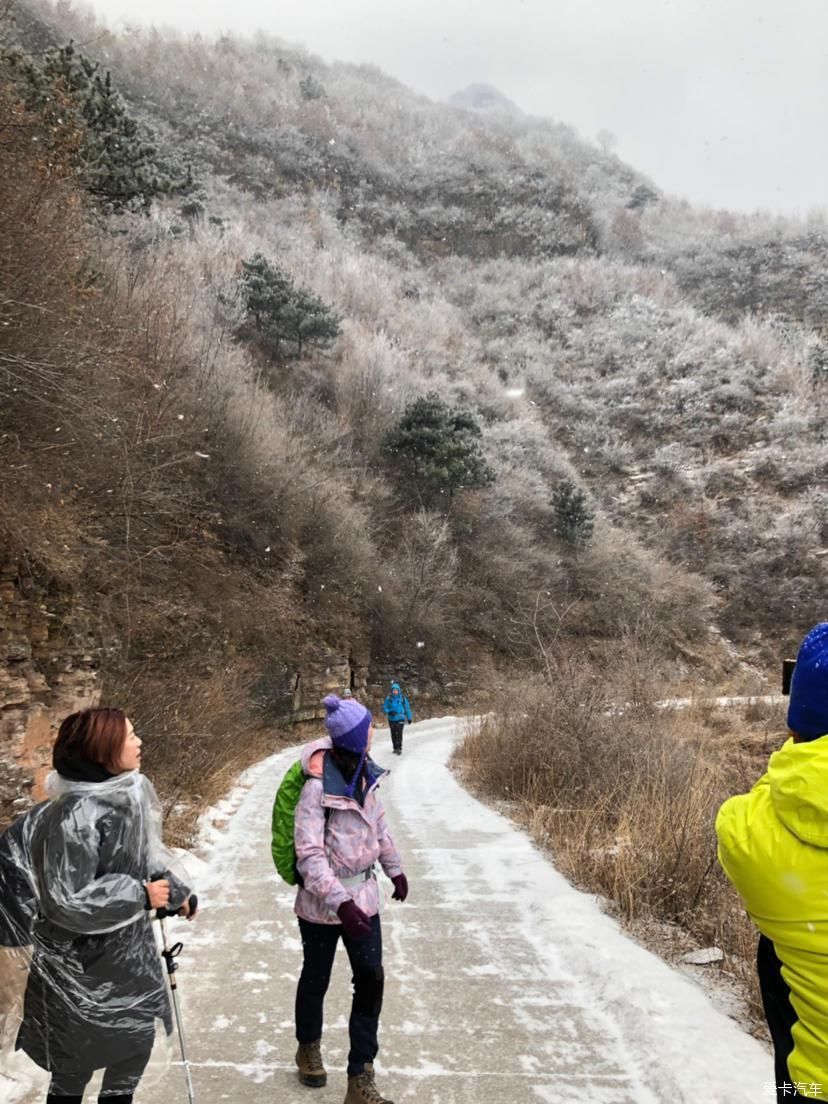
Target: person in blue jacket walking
point(398, 711)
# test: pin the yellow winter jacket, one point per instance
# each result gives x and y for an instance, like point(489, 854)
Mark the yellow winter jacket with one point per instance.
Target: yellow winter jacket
point(773, 846)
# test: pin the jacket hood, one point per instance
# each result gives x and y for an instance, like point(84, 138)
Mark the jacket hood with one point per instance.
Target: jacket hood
point(333, 783)
point(129, 785)
point(395, 686)
point(309, 750)
point(798, 776)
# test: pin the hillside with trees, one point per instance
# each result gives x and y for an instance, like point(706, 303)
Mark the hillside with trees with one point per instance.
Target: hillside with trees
point(294, 362)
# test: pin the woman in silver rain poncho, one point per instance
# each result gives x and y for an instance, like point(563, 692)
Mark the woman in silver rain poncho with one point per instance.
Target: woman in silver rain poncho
point(80, 874)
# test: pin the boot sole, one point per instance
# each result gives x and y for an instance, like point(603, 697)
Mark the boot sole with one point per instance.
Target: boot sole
point(313, 1080)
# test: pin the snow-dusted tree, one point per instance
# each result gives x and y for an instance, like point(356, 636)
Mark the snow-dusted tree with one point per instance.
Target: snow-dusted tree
point(434, 452)
point(606, 139)
point(425, 573)
point(643, 196)
point(117, 158)
point(573, 518)
point(278, 313)
point(310, 88)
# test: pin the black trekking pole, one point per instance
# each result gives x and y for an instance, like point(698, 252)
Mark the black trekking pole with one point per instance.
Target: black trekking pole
point(170, 954)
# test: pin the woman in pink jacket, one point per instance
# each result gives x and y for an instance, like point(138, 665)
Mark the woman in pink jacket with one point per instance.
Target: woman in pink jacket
point(340, 835)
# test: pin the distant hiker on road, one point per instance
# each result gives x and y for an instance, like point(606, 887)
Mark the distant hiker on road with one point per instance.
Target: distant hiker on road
point(92, 860)
point(773, 846)
point(340, 834)
point(398, 712)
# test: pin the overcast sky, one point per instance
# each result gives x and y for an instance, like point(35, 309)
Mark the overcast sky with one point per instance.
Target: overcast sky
point(722, 101)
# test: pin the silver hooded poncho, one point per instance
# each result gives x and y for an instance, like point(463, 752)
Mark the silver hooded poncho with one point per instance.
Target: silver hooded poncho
point(72, 873)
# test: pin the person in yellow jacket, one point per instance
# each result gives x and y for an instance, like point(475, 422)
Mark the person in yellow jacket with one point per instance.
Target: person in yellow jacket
point(773, 846)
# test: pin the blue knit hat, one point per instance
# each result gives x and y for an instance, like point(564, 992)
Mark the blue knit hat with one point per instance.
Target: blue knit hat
point(808, 709)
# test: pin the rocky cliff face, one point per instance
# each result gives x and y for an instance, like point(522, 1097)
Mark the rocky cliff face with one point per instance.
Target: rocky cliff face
point(293, 694)
point(46, 671)
point(52, 663)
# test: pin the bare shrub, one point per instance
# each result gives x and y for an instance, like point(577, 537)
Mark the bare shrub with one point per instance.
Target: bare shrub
point(623, 793)
point(420, 586)
point(198, 729)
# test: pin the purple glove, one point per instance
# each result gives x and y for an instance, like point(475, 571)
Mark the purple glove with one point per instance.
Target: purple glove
point(356, 924)
point(400, 887)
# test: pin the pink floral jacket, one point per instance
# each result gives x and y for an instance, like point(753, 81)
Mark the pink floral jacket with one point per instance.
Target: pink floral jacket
point(354, 837)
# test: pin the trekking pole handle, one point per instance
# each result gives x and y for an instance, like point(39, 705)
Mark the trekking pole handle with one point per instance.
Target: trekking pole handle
point(163, 913)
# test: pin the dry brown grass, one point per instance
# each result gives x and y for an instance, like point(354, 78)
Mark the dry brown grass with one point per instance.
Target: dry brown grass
point(625, 796)
point(119, 529)
point(198, 735)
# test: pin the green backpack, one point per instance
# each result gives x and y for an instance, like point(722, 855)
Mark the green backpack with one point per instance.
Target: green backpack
point(284, 814)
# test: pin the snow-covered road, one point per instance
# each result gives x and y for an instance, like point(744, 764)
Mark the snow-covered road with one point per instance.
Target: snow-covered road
point(504, 983)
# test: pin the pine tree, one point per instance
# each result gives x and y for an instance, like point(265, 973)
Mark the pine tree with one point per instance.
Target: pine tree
point(121, 167)
point(311, 89)
point(277, 311)
point(643, 196)
point(434, 451)
point(573, 518)
point(316, 323)
point(117, 158)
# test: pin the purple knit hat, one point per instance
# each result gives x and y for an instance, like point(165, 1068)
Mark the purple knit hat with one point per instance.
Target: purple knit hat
point(347, 723)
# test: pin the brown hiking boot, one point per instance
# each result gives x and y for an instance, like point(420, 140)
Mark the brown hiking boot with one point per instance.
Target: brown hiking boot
point(309, 1060)
point(362, 1090)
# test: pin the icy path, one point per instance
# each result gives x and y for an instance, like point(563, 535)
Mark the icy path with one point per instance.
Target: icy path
point(504, 984)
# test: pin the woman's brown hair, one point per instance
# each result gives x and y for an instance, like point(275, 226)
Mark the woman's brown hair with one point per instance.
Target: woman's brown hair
point(92, 736)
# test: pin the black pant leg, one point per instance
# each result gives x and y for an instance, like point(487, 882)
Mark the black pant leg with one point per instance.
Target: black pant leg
point(369, 982)
point(318, 948)
point(781, 1017)
point(396, 735)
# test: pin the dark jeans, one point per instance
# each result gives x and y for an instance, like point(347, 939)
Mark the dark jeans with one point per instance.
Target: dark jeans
point(780, 1014)
point(319, 943)
point(120, 1098)
point(396, 734)
point(119, 1083)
